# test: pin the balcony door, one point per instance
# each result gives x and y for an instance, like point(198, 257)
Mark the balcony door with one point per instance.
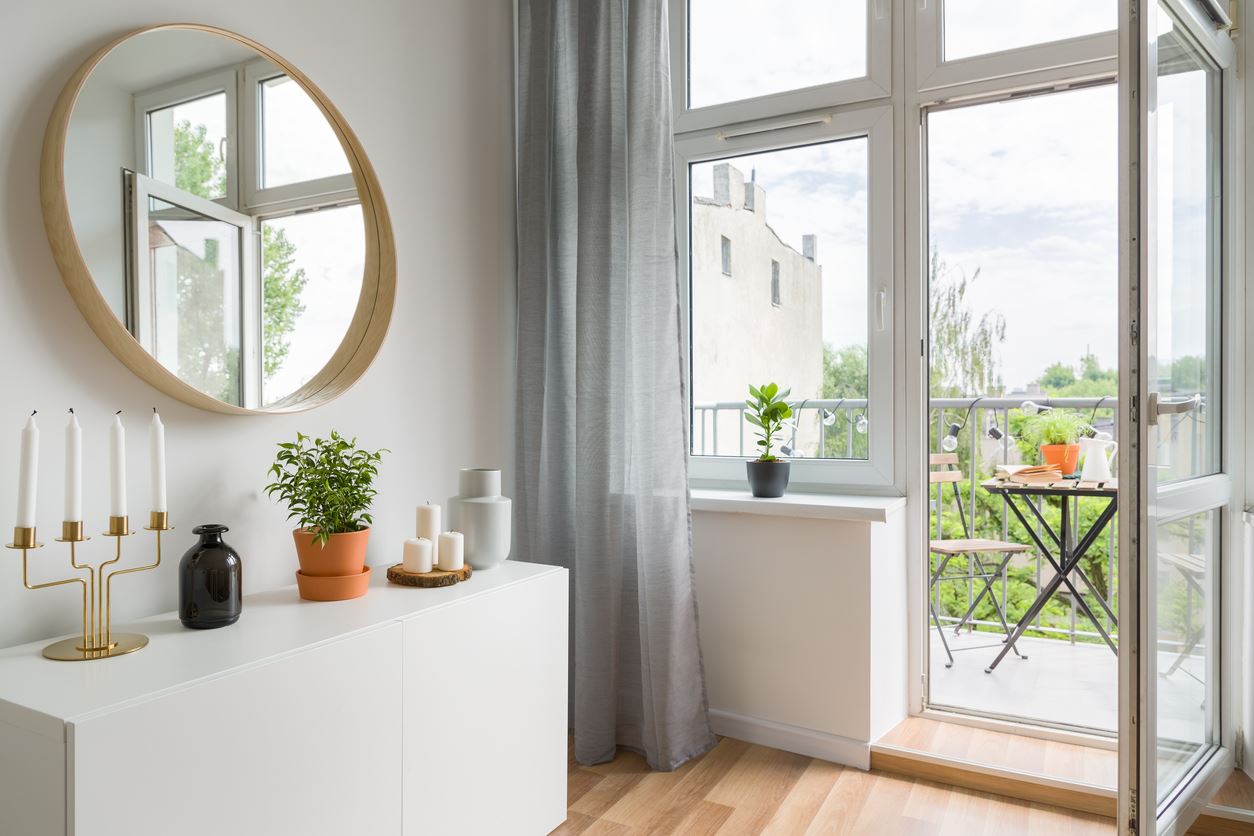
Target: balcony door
point(1175, 489)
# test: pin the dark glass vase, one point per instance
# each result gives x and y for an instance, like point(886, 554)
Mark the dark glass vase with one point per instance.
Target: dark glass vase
point(210, 581)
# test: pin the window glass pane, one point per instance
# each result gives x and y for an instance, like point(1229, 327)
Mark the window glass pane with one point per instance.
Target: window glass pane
point(1023, 229)
point(297, 142)
point(187, 146)
point(739, 49)
point(814, 341)
point(194, 275)
point(977, 27)
point(1183, 351)
point(1183, 627)
point(312, 267)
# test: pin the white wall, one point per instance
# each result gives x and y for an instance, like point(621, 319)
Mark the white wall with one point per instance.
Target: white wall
point(427, 87)
point(803, 629)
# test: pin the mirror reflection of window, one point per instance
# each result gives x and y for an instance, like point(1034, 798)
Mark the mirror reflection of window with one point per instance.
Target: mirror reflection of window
point(187, 145)
point(312, 264)
point(194, 276)
point(297, 142)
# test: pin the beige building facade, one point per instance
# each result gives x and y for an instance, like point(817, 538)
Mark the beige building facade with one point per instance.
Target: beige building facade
point(757, 312)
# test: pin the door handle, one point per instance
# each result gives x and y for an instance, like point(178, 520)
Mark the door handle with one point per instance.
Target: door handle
point(1157, 407)
point(881, 302)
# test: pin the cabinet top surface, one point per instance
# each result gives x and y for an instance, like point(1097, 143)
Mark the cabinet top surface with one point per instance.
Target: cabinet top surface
point(274, 624)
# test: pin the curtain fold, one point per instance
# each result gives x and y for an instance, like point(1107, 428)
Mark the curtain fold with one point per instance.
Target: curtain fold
point(602, 474)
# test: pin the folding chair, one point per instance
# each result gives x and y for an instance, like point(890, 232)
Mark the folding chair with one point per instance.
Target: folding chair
point(977, 550)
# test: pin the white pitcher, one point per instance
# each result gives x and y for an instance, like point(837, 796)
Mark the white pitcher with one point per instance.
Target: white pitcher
point(1096, 464)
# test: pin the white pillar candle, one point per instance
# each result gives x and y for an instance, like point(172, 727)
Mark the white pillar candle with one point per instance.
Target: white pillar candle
point(73, 470)
point(429, 527)
point(451, 546)
point(27, 474)
point(417, 558)
point(117, 468)
point(156, 462)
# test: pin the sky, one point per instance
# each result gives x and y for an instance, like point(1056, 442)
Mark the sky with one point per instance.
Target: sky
point(1025, 192)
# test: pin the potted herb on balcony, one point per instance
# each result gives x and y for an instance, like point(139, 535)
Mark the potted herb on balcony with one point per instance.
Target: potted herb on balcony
point(328, 487)
point(767, 410)
point(1058, 435)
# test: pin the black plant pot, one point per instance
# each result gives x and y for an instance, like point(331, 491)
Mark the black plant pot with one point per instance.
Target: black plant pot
point(768, 479)
point(210, 581)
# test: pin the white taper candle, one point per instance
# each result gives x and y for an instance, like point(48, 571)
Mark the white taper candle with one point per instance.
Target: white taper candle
point(73, 470)
point(27, 474)
point(156, 462)
point(117, 468)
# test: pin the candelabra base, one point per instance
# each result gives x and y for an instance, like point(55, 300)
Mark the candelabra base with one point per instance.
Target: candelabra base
point(72, 650)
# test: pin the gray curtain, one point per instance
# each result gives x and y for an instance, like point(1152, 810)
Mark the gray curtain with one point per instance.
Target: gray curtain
point(602, 474)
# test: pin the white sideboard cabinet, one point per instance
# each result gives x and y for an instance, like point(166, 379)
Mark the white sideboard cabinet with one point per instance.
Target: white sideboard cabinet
point(408, 711)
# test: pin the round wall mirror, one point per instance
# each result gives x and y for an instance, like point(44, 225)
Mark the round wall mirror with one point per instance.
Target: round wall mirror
point(217, 222)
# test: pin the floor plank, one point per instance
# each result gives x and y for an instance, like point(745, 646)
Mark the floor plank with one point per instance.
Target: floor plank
point(739, 788)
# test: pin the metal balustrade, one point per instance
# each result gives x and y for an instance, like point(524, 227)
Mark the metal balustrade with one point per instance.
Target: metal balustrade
point(838, 418)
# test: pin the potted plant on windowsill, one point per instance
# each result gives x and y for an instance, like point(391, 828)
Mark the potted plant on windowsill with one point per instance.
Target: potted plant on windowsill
point(767, 410)
point(328, 487)
point(1058, 434)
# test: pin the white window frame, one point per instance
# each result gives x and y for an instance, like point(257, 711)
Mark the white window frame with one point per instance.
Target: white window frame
point(245, 198)
point(277, 200)
point(187, 90)
point(875, 84)
point(875, 123)
point(139, 295)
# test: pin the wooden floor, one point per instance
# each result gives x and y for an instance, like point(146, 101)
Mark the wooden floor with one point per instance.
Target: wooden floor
point(740, 788)
point(1049, 758)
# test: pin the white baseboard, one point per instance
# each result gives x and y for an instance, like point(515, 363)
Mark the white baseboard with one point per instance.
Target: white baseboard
point(814, 744)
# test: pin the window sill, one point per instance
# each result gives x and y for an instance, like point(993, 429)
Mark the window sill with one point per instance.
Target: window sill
point(812, 505)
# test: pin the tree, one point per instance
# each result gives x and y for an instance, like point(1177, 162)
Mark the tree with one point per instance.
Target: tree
point(282, 287)
point(963, 363)
point(844, 376)
point(199, 170)
point(1057, 376)
point(197, 167)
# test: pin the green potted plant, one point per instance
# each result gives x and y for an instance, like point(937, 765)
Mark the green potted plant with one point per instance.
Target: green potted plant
point(1058, 434)
point(328, 487)
point(767, 410)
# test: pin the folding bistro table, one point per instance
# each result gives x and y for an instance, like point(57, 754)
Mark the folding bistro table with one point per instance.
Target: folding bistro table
point(1057, 546)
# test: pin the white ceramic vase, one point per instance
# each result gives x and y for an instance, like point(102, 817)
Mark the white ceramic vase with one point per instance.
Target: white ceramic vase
point(483, 516)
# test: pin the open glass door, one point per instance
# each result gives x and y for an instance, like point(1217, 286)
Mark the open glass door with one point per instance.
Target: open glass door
point(1175, 492)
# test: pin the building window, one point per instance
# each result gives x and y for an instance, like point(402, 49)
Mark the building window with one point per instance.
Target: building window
point(818, 345)
point(725, 249)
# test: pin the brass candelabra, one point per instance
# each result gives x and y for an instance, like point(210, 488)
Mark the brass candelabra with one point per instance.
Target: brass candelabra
point(98, 640)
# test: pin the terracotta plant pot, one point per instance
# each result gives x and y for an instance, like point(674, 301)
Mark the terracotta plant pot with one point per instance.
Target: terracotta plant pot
point(1066, 456)
point(339, 566)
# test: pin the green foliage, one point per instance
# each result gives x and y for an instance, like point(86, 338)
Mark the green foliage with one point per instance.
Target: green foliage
point(1055, 426)
point(963, 362)
point(199, 170)
point(197, 167)
point(1057, 376)
point(767, 410)
point(327, 484)
point(281, 291)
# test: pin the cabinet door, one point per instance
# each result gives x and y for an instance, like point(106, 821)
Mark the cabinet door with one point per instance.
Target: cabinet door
point(306, 744)
point(485, 713)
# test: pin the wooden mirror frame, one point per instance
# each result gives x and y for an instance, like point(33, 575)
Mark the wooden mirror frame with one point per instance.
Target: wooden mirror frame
point(370, 320)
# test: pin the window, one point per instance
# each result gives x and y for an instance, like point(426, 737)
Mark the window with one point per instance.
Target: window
point(979, 27)
point(290, 120)
point(741, 49)
point(810, 196)
point(243, 190)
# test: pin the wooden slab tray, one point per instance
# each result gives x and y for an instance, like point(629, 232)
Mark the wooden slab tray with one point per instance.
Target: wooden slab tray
point(427, 580)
